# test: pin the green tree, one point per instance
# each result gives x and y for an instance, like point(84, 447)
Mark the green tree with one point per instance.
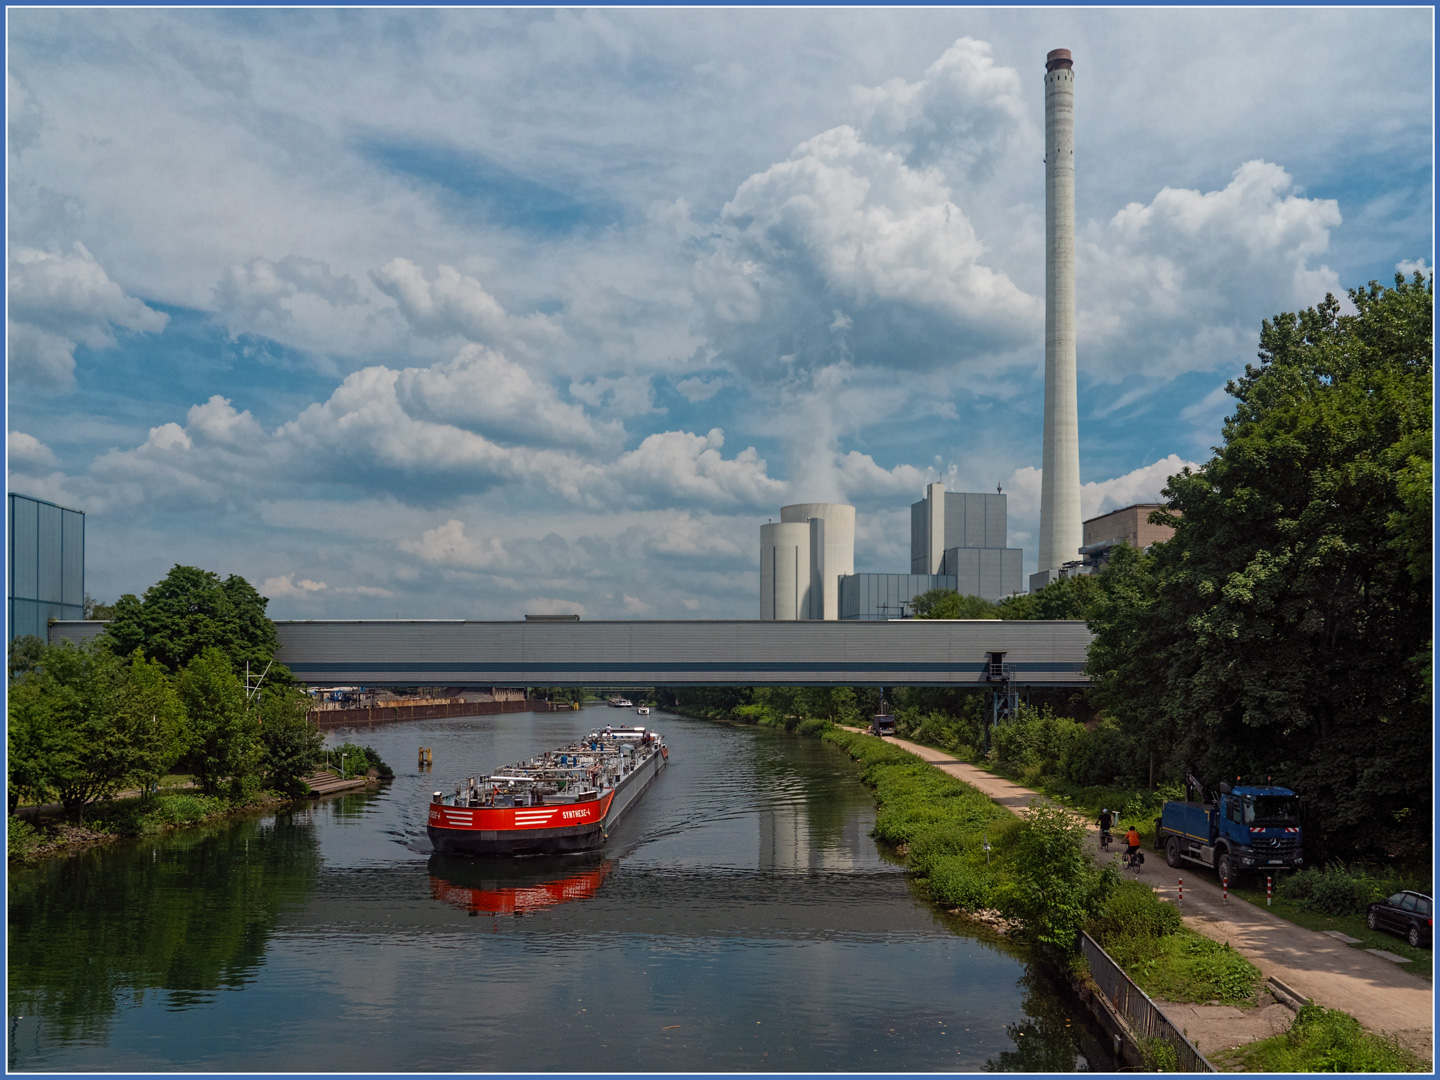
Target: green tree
point(227, 752)
point(190, 610)
point(292, 744)
point(97, 609)
point(948, 604)
point(25, 653)
point(1285, 629)
point(1055, 888)
point(1065, 598)
point(84, 724)
point(151, 719)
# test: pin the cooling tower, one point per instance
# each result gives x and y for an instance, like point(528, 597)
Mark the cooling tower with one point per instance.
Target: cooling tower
point(785, 571)
point(832, 551)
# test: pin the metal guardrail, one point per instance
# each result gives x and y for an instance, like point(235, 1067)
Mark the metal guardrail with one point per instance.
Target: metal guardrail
point(1146, 1020)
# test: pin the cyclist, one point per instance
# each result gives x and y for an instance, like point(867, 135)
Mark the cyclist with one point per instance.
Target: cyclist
point(1104, 822)
point(1132, 844)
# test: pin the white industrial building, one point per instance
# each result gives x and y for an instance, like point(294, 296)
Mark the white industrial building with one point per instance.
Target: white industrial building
point(957, 541)
point(802, 559)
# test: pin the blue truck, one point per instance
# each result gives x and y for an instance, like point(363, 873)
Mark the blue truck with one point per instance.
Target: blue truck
point(1235, 829)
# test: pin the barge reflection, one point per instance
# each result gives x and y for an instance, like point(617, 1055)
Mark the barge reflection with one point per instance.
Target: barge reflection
point(515, 886)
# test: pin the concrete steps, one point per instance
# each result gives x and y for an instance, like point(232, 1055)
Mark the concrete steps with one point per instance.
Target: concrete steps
point(326, 782)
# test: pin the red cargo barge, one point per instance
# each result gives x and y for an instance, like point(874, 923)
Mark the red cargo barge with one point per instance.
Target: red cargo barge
point(562, 801)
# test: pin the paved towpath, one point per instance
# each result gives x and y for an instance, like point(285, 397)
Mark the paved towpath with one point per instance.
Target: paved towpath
point(1377, 992)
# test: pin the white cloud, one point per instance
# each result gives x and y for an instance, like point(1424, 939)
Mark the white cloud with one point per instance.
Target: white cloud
point(966, 112)
point(26, 450)
point(1411, 267)
point(680, 466)
point(1182, 283)
point(258, 287)
point(448, 545)
point(636, 606)
point(698, 388)
point(845, 224)
point(453, 304)
point(684, 535)
point(482, 391)
point(862, 479)
point(58, 300)
point(218, 422)
point(373, 591)
point(627, 395)
point(286, 586)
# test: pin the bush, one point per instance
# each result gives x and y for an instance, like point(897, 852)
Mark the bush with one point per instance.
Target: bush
point(963, 882)
point(1133, 910)
point(1336, 889)
point(1054, 887)
point(1327, 1040)
point(20, 838)
point(356, 760)
point(144, 817)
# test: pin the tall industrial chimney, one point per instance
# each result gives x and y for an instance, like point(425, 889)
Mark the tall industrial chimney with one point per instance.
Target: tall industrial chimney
point(1060, 525)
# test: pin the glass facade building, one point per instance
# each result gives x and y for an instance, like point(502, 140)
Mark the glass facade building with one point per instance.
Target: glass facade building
point(47, 565)
point(878, 597)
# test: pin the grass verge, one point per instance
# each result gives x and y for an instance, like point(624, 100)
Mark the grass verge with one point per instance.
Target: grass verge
point(1151, 943)
point(1323, 1040)
point(941, 826)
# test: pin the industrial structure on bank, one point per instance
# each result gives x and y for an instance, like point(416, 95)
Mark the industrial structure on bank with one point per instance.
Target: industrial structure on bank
point(958, 540)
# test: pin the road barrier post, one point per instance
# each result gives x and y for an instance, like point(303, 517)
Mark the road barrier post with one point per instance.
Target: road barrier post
point(1225, 890)
point(1182, 890)
point(1268, 881)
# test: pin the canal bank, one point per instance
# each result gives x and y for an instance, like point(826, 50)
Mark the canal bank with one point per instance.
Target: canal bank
point(1298, 964)
point(746, 921)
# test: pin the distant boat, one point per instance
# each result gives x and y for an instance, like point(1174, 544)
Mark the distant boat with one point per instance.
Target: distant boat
point(621, 703)
point(643, 710)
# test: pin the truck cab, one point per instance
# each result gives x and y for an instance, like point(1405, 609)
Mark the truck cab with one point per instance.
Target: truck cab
point(1236, 829)
point(882, 724)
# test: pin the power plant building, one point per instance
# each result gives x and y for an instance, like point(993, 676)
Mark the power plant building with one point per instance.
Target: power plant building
point(957, 541)
point(802, 558)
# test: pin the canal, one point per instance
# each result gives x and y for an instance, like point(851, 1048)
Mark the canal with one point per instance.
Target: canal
point(741, 919)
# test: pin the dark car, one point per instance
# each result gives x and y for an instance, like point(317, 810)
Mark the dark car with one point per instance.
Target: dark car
point(883, 724)
point(1409, 914)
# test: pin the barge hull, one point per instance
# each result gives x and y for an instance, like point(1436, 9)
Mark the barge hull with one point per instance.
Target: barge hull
point(457, 832)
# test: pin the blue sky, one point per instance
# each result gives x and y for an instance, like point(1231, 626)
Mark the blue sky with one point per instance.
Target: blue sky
point(478, 313)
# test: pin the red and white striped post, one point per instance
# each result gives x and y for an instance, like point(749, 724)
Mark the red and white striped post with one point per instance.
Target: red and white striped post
point(1268, 881)
point(1225, 890)
point(1181, 888)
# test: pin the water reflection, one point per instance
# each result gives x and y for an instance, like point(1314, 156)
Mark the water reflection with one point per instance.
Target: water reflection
point(182, 915)
point(1056, 1035)
point(515, 886)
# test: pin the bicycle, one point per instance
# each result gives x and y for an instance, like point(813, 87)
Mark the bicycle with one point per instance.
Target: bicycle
point(1134, 862)
point(1104, 841)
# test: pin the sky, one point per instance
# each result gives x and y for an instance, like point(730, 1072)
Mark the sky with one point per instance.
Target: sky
point(480, 313)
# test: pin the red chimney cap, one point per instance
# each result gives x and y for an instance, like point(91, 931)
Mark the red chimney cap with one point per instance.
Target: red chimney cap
point(1058, 58)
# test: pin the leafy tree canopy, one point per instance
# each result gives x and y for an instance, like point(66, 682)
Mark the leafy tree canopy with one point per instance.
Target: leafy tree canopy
point(1285, 629)
point(85, 723)
point(1065, 598)
point(190, 610)
point(948, 604)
